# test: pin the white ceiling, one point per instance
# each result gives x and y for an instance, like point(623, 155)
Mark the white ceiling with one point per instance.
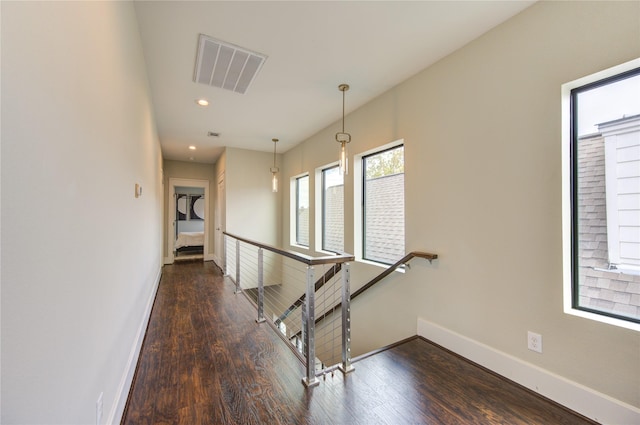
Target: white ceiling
point(312, 47)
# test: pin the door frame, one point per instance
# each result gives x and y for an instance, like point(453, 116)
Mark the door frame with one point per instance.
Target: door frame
point(171, 216)
point(219, 221)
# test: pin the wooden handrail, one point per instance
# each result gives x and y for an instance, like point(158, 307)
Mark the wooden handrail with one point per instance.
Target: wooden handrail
point(306, 259)
point(404, 260)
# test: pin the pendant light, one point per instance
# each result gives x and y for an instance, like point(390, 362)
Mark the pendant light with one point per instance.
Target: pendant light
point(274, 169)
point(343, 138)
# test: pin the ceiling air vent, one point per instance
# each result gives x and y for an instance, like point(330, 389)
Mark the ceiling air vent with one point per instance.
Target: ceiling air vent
point(226, 66)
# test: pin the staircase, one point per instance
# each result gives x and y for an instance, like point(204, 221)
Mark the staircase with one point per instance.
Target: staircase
point(311, 315)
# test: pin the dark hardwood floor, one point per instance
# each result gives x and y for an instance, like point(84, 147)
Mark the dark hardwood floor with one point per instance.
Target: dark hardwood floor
point(206, 361)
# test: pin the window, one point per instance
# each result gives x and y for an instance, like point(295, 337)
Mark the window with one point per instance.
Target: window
point(302, 210)
point(604, 164)
point(383, 205)
point(332, 210)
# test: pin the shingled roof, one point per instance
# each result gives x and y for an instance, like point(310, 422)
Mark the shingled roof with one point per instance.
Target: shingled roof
point(600, 288)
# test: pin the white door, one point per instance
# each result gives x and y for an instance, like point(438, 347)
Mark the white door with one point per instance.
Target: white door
point(219, 221)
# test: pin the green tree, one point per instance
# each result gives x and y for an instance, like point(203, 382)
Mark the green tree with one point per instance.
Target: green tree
point(385, 163)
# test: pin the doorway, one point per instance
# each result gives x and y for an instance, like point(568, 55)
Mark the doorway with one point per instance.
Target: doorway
point(188, 219)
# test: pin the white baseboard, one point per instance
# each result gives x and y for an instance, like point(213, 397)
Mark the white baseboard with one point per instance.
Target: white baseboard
point(122, 392)
point(577, 397)
point(209, 257)
point(168, 260)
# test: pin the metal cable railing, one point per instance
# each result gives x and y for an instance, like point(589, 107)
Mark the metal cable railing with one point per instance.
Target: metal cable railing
point(316, 324)
point(274, 279)
point(403, 262)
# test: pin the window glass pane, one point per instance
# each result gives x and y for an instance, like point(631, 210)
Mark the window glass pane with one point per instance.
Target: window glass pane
point(302, 211)
point(332, 210)
point(384, 206)
point(606, 196)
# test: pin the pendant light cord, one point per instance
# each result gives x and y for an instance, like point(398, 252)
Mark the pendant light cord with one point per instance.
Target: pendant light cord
point(343, 110)
point(275, 142)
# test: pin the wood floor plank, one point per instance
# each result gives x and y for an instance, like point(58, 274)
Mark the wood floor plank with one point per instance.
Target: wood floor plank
point(206, 361)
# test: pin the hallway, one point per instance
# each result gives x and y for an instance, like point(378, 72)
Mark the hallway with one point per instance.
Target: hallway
point(206, 361)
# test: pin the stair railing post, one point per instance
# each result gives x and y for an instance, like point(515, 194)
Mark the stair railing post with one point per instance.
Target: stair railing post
point(309, 335)
point(346, 365)
point(260, 318)
point(224, 255)
point(237, 267)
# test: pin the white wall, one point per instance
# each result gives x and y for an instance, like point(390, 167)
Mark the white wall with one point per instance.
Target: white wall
point(81, 255)
point(0, 217)
point(482, 132)
point(248, 183)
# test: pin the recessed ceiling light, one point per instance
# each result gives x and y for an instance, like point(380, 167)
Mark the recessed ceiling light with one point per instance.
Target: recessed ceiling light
point(193, 148)
point(202, 102)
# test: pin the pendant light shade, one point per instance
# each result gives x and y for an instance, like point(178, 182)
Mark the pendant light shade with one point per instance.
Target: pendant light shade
point(342, 137)
point(274, 169)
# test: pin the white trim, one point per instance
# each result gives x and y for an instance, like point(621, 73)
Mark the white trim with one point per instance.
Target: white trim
point(171, 216)
point(577, 397)
point(565, 99)
point(611, 192)
point(219, 218)
point(319, 207)
point(293, 212)
point(122, 392)
point(617, 137)
point(600, 317)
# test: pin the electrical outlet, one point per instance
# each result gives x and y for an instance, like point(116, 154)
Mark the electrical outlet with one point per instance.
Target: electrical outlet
point(534, 342)
point(99, 409)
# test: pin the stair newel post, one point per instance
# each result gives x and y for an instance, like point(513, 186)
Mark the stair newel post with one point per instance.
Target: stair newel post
point(237, 267)
point(260, 318)
point(308, 318)
point(346, 365)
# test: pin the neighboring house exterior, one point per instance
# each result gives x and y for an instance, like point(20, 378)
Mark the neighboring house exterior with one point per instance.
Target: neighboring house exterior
point(609, 217)
point(334, 218)
point(303, 226)
point(384, 240)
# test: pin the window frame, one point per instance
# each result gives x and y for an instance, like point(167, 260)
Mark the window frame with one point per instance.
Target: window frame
point(294, 202)
point(359, 201)
point(570, 214)
point(321, 214)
